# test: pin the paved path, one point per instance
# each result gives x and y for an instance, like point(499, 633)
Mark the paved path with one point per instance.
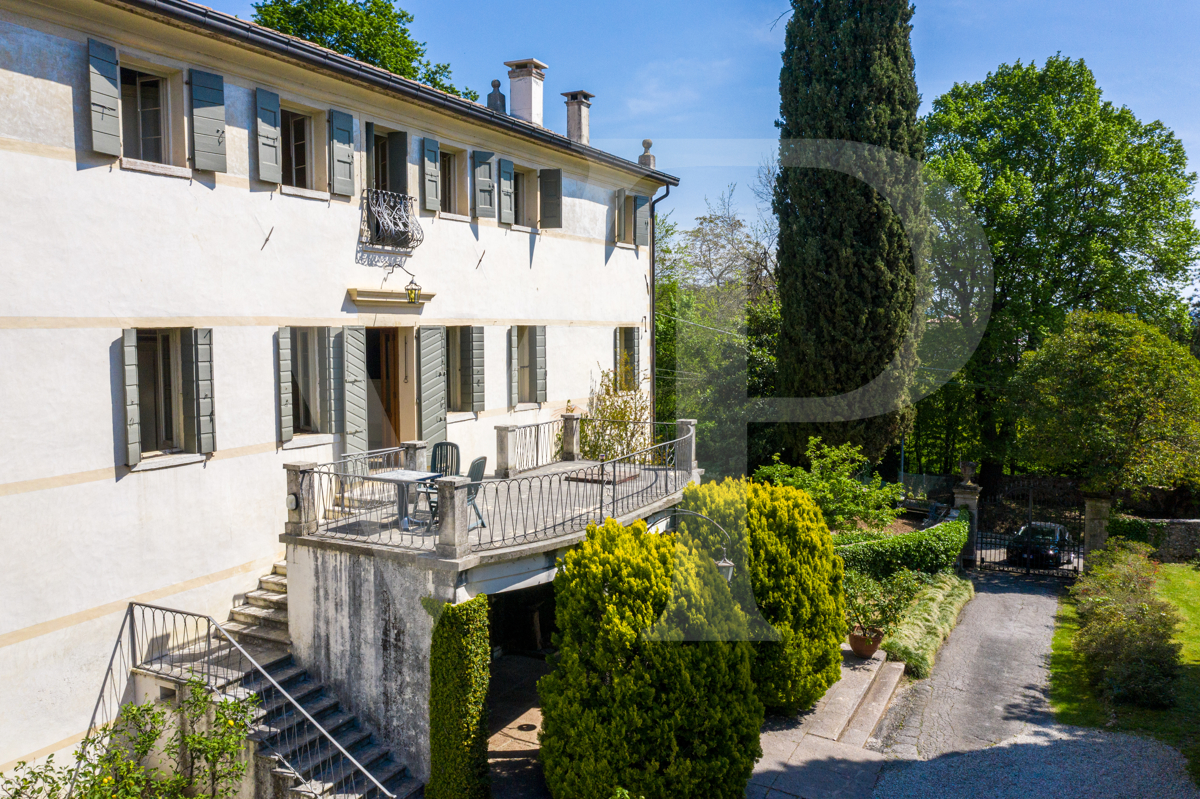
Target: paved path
point(514, 722)
point(981, 725)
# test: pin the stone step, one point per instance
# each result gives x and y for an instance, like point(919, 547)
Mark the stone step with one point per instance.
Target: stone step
point(280, 568)
point(837, 707)
point(869, 713)
point(273, 582)
point(267, 599)
point(240, 630)
point(268, 617)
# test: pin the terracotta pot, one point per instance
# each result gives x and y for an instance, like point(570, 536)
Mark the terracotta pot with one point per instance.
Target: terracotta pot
point(865, 643)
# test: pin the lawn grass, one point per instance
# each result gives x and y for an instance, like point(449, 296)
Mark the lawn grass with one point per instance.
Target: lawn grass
point(929, 620)
point(1075, 702)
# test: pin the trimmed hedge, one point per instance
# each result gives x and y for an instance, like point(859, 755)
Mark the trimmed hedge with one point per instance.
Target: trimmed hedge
point(651, 689)
point(846, 539)
point(927, 623)
point(921, 550)
point(459, 671)
point(785, 566)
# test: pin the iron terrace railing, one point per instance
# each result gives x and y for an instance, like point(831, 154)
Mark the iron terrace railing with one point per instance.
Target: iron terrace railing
point(391, 220)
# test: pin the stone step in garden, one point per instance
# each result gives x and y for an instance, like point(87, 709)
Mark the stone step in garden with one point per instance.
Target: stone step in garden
point(835, 710)
point(874, 705)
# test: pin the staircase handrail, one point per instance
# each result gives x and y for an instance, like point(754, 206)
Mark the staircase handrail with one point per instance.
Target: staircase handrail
point(255, 667)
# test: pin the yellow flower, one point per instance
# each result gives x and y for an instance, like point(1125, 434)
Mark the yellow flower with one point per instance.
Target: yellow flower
point(230, 722)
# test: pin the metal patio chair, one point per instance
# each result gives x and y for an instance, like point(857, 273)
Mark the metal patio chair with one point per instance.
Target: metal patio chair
point(443, 459)
point(475, 475)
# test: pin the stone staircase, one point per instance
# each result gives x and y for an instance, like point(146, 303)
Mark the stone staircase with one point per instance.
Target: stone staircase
point(260, 625)
point(853, 706)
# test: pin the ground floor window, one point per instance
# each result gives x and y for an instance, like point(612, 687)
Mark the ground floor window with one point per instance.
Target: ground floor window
point(158, 380)
point(306, 406)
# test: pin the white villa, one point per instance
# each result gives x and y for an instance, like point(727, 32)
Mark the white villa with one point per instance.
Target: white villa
point(226, 250)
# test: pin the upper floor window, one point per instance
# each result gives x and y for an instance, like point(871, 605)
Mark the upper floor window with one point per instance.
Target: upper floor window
point(380, 174)
point(143, 116)
point(447, 188)
point(296, 134)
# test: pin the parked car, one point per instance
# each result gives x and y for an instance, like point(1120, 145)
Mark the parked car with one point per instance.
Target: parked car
point(1040, 545)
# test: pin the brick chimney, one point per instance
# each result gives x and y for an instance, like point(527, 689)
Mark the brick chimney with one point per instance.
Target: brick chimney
point(525, 78)
point(578, 104)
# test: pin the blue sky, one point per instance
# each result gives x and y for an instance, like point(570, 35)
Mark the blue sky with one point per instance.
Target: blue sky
point(700, 78)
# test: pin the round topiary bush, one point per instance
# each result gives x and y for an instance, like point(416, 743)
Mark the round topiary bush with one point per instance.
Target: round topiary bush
point(648, 693)
point(784, 564)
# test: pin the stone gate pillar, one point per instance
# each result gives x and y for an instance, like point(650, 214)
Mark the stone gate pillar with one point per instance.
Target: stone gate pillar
point(1096, 508)
point(966, 494)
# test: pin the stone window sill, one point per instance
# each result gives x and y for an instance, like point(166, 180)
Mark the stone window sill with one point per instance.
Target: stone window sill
point(624, 245)
point(524, 229)
point(150, 167)
point(453, 217)
point(308, 194)
point(154, 462)
point(528, 406)
point(461, 416)
point(305, 440)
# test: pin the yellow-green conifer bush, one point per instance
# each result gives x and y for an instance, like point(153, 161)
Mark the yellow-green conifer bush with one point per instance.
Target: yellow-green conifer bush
point(784, 564)
point(651, 689)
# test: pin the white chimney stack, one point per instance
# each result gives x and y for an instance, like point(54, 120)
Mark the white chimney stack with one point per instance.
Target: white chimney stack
point(578, 104)
point(525, 78)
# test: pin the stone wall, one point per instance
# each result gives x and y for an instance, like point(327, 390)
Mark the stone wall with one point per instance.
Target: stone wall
point(1180, 540)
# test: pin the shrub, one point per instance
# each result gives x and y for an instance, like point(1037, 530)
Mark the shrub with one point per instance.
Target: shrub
point(928, 551)
point(459, 670)
point(784, 566)
point(927, 622)
point(832, 481)
point(657, 718)
point(879, 604)
point(857, 537)
point(1132, 528)
point(1120, 572)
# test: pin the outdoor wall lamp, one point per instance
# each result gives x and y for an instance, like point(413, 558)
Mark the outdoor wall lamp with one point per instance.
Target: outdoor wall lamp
point(414, 291)
point(724, 565)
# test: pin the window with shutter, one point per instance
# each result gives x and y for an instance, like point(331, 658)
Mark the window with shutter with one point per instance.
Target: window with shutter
point(539, 363)
point(621, 228)
point(477, 395)
point(551, 200)
point(508, 211)
point(329, 343)
point(267, 128)
point(641, 221)
point(485, 183)
point(341, 153)
point(354, 388)
point(133, 434)
point(305, 394)
point(626, 344)
point(208, 121)
point(373, 173)
point(143, 116)
point(431, 386)
point(296, 145)
point(283, 364)
point(104, 80)
point(514, 366)
point(397, 162)
point(431, 181)
point(199, 412)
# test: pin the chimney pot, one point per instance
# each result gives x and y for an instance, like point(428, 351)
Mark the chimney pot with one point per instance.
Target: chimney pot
point(578, 104)
point(646, 159)
point(525, 79)
point(495, 100)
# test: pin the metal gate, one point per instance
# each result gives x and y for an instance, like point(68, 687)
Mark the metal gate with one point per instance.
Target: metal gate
point(1032, 528)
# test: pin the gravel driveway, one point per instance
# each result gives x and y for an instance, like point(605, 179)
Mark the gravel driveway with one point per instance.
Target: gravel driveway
point(981, 725)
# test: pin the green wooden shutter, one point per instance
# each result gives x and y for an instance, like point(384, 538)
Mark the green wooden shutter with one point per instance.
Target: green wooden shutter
point(431, 388)
point(508, 208)
point(341, 153)
point(620, 236)
point(105, 80)
point(514, 366)
point(632, 340)
point(329, 377)
point(133, 424)
point(617, 352)
point(550, 194)
point(485, 183)
point(477, 367)
point(641, 220)
point(538, 361)
point(354, 388)
point(369, 153)
point(432, 166)
point(397, 176)
point(270, 157)
point(283, 370)
point(199, 412)
point(208, 121)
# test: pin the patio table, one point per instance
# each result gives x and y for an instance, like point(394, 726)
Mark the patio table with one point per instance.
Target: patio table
point(402, 478)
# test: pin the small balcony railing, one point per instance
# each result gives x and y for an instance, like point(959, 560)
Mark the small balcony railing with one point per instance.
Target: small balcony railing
point(391, 220)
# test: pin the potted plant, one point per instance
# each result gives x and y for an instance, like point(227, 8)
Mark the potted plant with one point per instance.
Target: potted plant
point(874, 608)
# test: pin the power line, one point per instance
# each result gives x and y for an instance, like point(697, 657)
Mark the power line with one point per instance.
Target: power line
point(706, 327)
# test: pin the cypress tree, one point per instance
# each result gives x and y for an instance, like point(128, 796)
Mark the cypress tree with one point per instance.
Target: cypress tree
point(846, 268)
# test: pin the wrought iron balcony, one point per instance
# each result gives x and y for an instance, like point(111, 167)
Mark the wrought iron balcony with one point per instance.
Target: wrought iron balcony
point(391, 220)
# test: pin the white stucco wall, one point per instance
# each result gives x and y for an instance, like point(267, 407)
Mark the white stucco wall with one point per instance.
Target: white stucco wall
point(88, 248)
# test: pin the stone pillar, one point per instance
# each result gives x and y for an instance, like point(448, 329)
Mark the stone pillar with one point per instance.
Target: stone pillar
point(416, 455)
point(968, 494)
point(570, 439)
point(1096, 509)
point(301, 499)
point(685, 453)
point(453, 521)
point(506, 449)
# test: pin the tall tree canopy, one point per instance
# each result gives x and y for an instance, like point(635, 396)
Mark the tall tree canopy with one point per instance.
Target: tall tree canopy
point(1085, 208)
point(373, 31)
point(845, 266)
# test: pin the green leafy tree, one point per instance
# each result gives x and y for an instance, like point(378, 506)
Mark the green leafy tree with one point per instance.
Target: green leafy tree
point(1085, 207)
point(664, 715)
point(846, 269)
point(832, 480)
point(372, 31)
point(1111, 400)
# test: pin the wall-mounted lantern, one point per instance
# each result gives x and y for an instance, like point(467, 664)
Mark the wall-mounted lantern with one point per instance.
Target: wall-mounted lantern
point(414, 291)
